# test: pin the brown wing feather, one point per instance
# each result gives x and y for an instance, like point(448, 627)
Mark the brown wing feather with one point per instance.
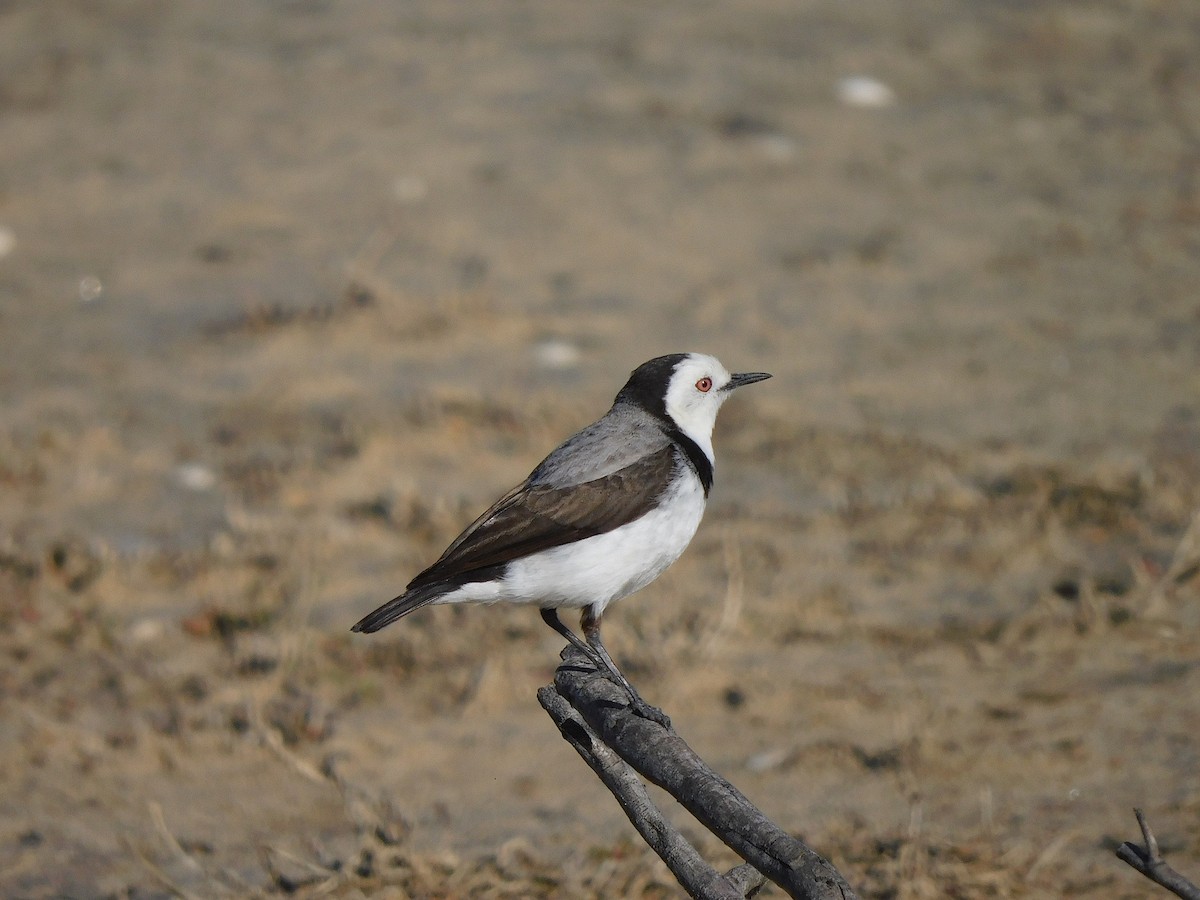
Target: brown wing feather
point(531, 518)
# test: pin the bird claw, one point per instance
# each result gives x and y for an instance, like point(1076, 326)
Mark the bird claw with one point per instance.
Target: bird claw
point(640, 707)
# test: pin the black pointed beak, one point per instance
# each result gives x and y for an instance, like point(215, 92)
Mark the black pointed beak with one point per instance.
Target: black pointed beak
point(744, 378)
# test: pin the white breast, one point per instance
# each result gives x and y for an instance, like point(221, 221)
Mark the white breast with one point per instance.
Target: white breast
point(604, 568)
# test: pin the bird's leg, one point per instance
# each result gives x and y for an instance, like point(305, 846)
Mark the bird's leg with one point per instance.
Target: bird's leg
point(591, 632)
point(599, 653)
point(594, 650)
point(550, 617)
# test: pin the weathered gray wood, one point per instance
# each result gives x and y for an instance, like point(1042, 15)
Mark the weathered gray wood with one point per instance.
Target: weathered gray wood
point(1148, 860)
point(665, 759)
point(698, 878)
point(747, 879)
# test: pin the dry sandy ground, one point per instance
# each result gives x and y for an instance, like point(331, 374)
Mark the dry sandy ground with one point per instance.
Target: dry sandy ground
point(289, 291)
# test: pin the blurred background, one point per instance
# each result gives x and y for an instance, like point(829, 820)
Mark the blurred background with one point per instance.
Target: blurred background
point(290, 291)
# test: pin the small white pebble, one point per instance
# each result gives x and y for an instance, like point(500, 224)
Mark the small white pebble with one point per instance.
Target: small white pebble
point(146, 630)
point(777, 147)
point(8, 241)
point(90, 289)
point(556, 354)
point(865, 91)
point(196, 477)
point(222, 544)
point(410, 188)
point(767, 760)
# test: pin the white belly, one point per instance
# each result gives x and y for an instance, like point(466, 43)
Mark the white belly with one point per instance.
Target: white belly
point(600, 569)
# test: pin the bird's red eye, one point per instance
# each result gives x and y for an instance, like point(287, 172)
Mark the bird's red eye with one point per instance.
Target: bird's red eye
point(704, 385)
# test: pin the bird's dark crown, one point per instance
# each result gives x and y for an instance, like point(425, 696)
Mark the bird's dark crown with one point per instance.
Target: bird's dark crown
point(647, 385)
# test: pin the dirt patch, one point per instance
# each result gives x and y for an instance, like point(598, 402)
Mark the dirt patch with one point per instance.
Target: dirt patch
point(289, 293)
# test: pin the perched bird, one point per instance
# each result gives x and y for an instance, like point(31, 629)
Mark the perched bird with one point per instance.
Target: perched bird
point(600, 517)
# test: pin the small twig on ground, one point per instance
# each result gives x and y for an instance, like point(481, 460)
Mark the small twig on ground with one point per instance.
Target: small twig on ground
point(1148, 860)
point(663, 758)
point(1184, 565)
point(160, 825)
point(731, 606)
point(273, 742)
point(316, 878)
point(1050, 852)
point(163, 878)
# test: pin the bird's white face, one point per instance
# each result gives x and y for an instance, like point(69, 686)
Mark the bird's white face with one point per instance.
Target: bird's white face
point(695, 394)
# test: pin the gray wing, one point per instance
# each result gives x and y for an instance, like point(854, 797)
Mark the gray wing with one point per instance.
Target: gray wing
point(621, 438)
point(539, 515)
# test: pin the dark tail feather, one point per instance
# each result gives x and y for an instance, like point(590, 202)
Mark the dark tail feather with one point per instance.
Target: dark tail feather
point(394, 609)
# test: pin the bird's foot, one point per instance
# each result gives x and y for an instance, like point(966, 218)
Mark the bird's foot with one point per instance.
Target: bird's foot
point(640, 707)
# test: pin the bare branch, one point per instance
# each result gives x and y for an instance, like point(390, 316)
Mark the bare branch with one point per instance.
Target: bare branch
point(1148, 860)
point(698, 878)
point(663, 758)
point(746, 879)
